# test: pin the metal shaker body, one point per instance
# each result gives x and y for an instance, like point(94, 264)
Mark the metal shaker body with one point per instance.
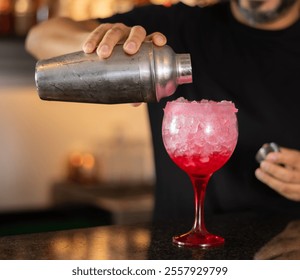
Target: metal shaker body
point(152, 73)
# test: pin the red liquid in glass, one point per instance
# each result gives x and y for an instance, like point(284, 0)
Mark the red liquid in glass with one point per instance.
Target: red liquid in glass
point(194, 165)
point(200, 171)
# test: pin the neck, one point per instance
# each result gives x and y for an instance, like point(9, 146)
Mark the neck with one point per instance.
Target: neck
point(286, 20)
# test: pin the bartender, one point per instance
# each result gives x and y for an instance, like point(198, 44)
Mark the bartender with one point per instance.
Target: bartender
point(245, 51)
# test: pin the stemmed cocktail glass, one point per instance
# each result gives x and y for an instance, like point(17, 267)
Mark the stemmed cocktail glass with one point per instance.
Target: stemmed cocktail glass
point(199, 137)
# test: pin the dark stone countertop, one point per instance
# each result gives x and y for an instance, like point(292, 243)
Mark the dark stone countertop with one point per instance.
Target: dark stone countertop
point(245, 234)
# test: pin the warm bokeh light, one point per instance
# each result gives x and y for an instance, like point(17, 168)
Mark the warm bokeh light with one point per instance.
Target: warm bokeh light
point(75, 159)
point(22, 6)
point(88, 161)
point(99, 244)
point(81, 10)
point(4, 5)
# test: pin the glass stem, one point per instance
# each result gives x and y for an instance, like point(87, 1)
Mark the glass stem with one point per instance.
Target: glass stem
point(199, 184)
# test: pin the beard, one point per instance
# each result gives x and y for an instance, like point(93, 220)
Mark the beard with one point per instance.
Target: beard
point(254, 16)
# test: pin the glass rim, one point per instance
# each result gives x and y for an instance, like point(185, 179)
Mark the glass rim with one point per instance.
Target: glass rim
point(201, 103)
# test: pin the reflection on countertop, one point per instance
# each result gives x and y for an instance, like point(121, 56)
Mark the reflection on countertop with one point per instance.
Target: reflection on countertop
point(245, 235)
point(86, 244)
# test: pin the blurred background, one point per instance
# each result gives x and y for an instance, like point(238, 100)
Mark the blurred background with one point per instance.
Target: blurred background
point(66, 165)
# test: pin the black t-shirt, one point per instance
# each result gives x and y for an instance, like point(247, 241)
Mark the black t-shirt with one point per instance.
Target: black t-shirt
point(258, 70)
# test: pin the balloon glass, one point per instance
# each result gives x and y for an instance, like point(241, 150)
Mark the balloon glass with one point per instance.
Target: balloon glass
point(199, 137)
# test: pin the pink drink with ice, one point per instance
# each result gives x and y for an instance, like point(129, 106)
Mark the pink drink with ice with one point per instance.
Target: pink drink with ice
point(199, 137)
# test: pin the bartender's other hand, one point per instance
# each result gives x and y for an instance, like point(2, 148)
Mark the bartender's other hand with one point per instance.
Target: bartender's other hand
point(281, 172)
point(104, 38)
point(284, 246)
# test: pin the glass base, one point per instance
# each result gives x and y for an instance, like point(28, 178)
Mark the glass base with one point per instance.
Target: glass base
point(198, 239)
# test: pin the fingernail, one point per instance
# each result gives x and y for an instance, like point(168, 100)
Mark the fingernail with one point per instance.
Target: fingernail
point(88, 47)
point(160, 40)
point(263, 165)
point(258, 173)
point(136, 104)
point(103, 51)
point(131, 47)
point(272, 157)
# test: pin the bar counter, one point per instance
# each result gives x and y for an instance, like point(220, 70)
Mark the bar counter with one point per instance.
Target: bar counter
point(274, 236)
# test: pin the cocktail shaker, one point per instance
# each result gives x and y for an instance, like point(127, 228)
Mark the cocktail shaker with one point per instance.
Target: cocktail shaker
point(149, 75)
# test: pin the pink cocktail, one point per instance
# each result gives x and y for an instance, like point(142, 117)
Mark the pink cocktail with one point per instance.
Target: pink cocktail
point(199, 137)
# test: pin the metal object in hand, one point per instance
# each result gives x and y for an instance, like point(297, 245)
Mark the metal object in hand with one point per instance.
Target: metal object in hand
point(265, 149)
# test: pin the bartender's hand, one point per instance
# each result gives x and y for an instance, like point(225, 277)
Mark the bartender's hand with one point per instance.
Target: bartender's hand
point(104, 38)
point(281, 172)
point(284, 246)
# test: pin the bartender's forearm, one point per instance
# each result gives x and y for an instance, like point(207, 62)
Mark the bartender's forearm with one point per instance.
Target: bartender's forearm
point(58, 36)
